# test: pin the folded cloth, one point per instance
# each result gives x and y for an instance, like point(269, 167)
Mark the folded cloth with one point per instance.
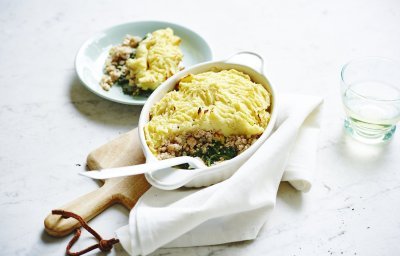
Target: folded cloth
point(237, 208)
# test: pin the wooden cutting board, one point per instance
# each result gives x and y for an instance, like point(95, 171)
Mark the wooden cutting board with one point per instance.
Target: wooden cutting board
point(122, 151)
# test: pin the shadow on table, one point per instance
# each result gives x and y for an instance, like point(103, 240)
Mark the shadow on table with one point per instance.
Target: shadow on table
point(62, 242)
point(48, 239)
point(290, 195)
point(359, 155)
point(101, 110)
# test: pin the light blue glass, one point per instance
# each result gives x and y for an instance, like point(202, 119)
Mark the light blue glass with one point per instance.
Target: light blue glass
point(370, 89)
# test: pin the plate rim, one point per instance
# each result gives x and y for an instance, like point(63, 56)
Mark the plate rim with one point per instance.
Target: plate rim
point(85, 44)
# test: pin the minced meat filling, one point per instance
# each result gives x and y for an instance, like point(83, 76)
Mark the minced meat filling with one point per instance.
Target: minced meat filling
point(212, 147)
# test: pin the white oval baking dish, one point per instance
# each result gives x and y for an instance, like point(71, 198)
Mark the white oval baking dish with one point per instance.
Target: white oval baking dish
point(219, 172)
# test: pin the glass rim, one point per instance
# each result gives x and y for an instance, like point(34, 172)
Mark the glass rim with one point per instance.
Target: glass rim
point(363, 59)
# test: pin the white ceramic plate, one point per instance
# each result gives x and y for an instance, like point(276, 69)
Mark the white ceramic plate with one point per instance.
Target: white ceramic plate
point(91, 56)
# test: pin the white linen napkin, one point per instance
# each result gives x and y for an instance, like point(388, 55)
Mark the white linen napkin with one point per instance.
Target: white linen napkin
point(235, 209)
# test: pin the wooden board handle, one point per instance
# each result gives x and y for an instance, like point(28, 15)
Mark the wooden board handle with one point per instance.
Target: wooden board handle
point(122, 151)
point(86, 206)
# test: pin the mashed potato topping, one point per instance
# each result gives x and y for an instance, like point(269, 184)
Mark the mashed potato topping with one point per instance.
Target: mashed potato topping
point(157, 58)
point(225, 103)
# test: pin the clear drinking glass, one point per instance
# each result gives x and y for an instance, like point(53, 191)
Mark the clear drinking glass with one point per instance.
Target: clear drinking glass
point(370, 89)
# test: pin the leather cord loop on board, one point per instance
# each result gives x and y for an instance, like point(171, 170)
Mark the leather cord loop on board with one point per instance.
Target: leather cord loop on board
point(103, 245)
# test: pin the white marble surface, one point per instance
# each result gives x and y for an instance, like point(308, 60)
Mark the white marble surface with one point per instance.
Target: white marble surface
point(49, 122)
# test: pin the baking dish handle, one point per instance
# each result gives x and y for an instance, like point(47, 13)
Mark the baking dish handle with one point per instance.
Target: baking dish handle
point(260, 67)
